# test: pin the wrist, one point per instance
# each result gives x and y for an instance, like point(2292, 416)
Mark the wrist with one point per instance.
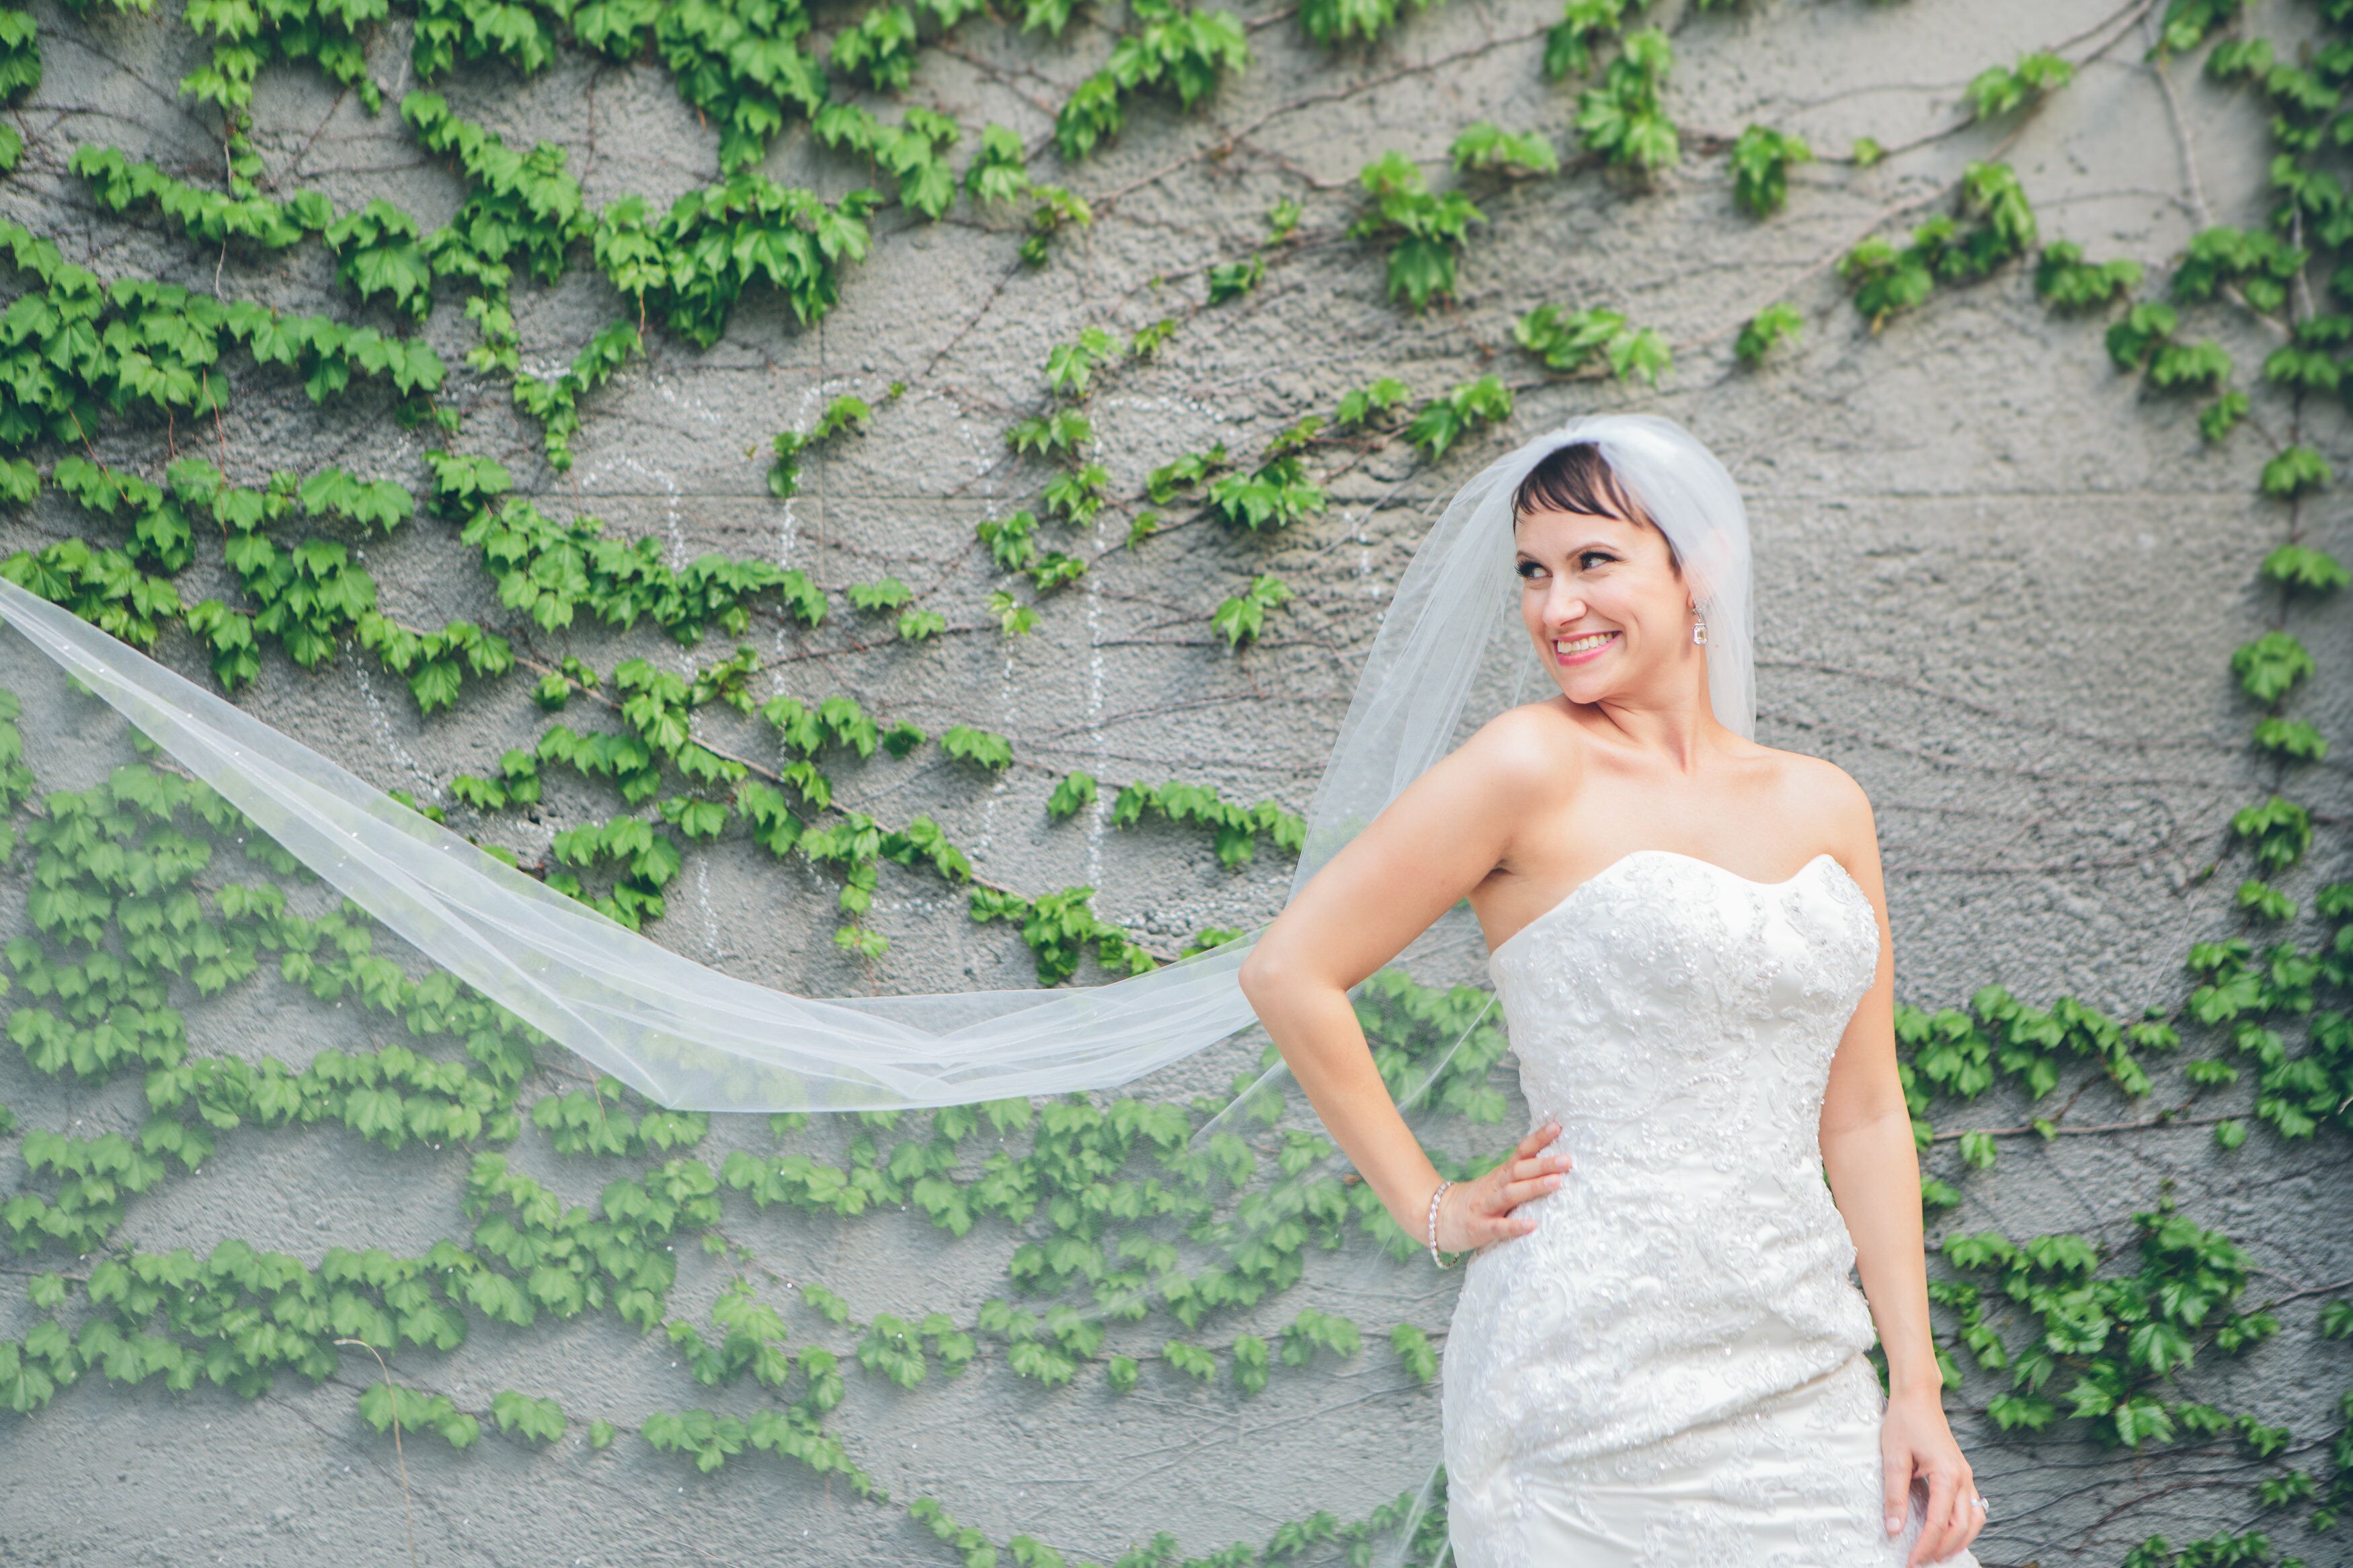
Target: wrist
point(1926, 1388)
point(1409, 1207)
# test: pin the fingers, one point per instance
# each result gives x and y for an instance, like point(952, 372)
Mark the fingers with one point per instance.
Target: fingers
point(1511, 1194)
point(1968, 1517)
point(1931, 1547)
point(1531, 1164)
point(1895, 1482)
point(1973, 1518)
point(1479, 1213)
point(1495, 1198)
point(1485, 1215)
point(1963, 1521)
point(1486, 1223)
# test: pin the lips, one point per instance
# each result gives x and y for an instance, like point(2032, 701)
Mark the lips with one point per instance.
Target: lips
point(1583, 647)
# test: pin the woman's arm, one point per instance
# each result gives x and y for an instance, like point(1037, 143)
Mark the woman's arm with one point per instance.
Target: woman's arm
point(1874, 1177)
point(1435, 842)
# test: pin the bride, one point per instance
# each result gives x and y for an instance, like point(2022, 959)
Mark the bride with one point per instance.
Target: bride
point(1657, 1357)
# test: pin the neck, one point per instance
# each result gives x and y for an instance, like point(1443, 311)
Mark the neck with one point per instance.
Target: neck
point(1676, 723)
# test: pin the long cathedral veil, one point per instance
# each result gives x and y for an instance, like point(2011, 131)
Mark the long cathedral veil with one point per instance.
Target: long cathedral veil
point(691, 1037)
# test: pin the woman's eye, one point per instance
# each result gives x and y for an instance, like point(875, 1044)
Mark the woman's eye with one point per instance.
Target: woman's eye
point(1585, 559)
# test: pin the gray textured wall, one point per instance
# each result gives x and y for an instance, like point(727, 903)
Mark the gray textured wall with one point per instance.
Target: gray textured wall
point(1998, 581)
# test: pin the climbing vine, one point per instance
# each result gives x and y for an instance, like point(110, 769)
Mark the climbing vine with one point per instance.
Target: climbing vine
point(1141, 1238)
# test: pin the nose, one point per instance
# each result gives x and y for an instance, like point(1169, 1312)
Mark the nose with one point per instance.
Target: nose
point(1563, 609)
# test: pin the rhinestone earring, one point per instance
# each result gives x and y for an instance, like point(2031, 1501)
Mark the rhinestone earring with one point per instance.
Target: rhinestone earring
point(1699, 630)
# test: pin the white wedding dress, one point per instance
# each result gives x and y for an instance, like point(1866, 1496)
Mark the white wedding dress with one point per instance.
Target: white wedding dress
point(1669, 1371)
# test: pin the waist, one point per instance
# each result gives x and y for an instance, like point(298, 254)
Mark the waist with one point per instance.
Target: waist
point(1700, 1163)
point(1723, 1120)
point(1678, 1253)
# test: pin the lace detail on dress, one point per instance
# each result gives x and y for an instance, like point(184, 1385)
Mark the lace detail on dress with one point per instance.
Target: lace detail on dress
point(1668, 1371)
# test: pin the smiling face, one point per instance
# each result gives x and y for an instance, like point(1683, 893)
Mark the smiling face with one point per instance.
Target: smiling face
point(1606, 606)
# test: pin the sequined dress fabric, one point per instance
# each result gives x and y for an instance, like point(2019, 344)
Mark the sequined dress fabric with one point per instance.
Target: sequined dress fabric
point(1668, 1372)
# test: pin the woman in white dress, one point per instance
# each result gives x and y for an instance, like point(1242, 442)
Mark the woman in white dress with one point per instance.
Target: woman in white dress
point(1658, 1357)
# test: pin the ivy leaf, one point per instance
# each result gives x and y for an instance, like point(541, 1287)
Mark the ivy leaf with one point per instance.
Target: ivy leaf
point(1075, 791)
point(1249, 1363)
point(2300, 567)
point(2269, 666)
point(1242, 616)
point(967, 745)
point(535, 1420)
point(435, 684)
point(885, 594)
point(1413, 1348)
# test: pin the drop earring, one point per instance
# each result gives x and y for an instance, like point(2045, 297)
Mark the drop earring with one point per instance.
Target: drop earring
point(1699, 628)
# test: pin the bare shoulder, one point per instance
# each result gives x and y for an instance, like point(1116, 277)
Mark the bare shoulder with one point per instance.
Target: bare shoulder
point(1829, 786)
point(1818, 791)
point(1523, 764)
point(1530, 748)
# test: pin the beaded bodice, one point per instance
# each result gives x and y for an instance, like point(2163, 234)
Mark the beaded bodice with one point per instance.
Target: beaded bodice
point(1669, 1009)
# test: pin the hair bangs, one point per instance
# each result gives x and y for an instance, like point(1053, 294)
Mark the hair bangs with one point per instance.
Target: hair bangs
point(1578, 479)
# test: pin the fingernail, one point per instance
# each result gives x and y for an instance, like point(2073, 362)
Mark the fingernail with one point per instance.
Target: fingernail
point(1894, 1522)
point(1551, 1183)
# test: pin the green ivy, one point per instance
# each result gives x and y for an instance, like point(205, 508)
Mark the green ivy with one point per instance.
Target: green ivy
point(1119, 1213)
point(1425, 230)
point(1172, 48)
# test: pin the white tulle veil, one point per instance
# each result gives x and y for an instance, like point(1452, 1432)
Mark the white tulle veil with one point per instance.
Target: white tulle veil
point(1451, 652)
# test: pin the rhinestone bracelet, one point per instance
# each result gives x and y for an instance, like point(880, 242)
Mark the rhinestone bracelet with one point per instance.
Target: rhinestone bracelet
point(1432, 1226)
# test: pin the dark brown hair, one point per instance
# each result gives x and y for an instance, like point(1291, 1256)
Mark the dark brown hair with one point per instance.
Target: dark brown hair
point(1577, 478)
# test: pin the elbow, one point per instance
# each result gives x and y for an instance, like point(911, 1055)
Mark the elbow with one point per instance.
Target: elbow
point(1282, 977)
point(1267, 974)
point(1887, 1122)
point(1259, 974)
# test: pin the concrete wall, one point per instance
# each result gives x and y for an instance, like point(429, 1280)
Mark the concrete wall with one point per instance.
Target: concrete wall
point(1998, 581)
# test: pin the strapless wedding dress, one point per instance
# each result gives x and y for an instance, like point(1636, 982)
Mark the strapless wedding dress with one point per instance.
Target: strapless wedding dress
point(1669, 1371)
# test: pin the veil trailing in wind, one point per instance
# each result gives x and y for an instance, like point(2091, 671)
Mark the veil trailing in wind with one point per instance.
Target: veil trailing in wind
point(692, 1038)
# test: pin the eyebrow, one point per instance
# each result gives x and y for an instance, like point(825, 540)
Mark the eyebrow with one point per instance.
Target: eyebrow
point(1521, 552)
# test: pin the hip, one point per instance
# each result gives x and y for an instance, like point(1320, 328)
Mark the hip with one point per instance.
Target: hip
point(1603, 1330)
point(1668, 1255)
